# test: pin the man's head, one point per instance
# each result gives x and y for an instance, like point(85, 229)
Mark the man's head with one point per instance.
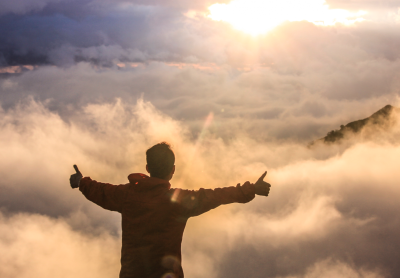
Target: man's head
point(160, 161)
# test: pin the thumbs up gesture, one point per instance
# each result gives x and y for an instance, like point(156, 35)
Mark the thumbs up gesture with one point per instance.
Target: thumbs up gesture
point(261, 187)
point(75, 178)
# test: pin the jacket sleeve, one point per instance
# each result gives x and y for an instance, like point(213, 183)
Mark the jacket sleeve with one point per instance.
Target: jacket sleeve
point(106, 195)
point(196, 202)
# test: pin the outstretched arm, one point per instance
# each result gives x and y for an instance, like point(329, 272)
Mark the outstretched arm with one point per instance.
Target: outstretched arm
point(199, 201)
point(106, 195)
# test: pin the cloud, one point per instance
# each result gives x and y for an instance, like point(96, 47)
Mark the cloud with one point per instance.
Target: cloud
point(328, 212)
point(77, 7)
point(362, 4)
point(340, 226)
point(263, 100)
point(123, 32)
point(284, 75)
point(135, 33)
point(331, 269)
point(33, 245)
point(22, 6)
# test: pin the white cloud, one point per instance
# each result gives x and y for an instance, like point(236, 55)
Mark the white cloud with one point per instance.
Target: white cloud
point(33, 245)
point(319, 208)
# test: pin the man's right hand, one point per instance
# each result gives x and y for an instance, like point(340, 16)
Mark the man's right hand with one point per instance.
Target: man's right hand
point(75, 178)
point(261, 187)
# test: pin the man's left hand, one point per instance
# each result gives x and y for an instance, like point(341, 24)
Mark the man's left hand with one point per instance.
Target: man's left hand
point(75, 178)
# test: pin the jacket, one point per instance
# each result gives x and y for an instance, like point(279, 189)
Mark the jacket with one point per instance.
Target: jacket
point(154, 216)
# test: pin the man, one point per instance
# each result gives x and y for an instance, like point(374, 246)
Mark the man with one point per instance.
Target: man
point(154, 215)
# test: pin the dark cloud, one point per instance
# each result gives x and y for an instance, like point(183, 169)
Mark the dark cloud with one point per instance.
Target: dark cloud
point(137, 33)
point(79, 8)
point(23, 7)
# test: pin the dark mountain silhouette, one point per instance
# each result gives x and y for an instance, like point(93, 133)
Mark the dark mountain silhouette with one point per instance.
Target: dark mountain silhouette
point(381, 120)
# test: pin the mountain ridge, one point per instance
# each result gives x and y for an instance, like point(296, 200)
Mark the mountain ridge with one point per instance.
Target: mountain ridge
point(382, 119)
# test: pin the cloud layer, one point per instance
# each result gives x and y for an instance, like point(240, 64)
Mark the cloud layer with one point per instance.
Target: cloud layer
point(34, 245)
point(324, 216)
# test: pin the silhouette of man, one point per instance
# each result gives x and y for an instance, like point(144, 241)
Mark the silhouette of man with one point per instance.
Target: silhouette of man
point(154, 215)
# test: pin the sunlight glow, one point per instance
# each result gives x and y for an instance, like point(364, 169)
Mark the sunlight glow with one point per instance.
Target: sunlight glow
point(260, 16)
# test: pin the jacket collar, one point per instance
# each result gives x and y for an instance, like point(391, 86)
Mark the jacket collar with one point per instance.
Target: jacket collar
point(144, 182)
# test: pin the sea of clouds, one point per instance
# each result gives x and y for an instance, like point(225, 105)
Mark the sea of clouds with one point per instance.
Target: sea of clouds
point(330, 213)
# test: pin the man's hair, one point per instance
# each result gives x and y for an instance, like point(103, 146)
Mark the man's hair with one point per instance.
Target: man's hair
point(160, 160)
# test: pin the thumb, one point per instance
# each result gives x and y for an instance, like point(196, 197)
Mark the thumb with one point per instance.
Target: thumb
point(262, 176)
point(77, 170)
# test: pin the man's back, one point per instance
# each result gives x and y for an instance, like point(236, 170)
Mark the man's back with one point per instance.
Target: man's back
point(154, 218)
point(152, 229)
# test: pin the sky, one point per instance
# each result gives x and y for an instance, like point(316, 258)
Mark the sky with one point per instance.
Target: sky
point(237, 88)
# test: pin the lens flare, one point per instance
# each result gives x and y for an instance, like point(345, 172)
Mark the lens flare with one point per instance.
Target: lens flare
point(260, 16)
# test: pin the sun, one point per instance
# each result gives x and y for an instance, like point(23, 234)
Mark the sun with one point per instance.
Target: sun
point(260, 16)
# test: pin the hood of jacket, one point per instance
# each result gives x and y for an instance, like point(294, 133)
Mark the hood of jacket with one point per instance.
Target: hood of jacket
point(143, 182)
